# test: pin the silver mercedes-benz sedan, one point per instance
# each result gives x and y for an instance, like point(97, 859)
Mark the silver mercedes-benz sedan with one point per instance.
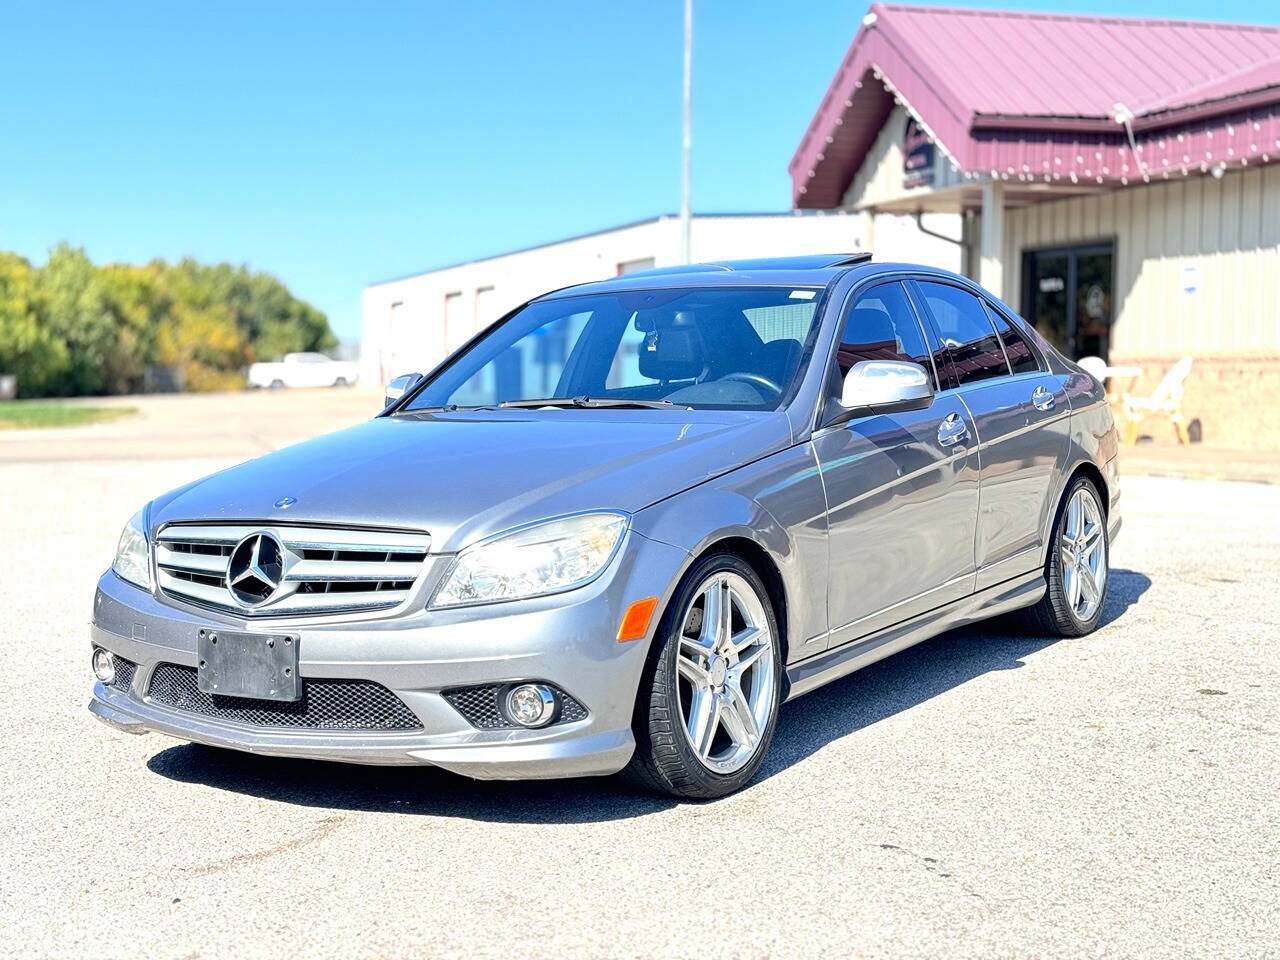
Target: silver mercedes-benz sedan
point(620, 527)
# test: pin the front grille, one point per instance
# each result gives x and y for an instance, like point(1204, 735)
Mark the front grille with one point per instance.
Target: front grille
point(480, 706)
point(125, 669)
point(324, 705)
point(320, 569)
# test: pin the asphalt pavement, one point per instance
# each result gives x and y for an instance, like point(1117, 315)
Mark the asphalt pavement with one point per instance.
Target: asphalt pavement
point(987, 793)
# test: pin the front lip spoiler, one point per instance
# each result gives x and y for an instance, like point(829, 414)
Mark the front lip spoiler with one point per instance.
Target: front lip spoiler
point(114, 718)
point(595, 754)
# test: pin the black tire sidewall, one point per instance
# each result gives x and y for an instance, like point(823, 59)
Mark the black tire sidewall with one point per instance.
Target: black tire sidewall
point(658, 703)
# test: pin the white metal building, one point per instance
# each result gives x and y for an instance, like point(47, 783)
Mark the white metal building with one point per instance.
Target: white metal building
point(412, 323)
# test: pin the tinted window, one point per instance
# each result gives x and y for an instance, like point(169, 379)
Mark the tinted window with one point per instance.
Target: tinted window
point(1021, 357)
point(882, 326)
point(963, 324)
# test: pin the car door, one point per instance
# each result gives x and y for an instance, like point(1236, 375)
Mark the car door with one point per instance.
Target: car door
point(1022, 418)
point(902, 488)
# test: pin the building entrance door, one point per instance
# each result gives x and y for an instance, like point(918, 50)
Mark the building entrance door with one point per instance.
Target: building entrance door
point(1067, 296)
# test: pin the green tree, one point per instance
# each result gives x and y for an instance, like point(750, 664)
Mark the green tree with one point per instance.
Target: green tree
point(27, 347)
point(72, 328)
point(77, 314)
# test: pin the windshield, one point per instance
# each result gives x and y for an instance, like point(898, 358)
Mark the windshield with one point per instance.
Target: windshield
point(702, 347)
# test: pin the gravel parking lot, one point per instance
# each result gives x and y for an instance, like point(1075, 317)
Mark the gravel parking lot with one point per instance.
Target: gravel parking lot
point(986, 793)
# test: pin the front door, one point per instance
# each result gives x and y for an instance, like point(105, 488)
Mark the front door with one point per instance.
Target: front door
point(902, 489)
point(1067, 296)
point(1022, 419)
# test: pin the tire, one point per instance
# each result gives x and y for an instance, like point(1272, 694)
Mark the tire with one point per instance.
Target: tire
point(277, 384)
point(699, 676)
point(340, 382)
point(1062, 612)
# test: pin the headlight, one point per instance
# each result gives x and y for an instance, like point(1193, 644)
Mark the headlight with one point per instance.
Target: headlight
point(546, 558)
point(133, 556)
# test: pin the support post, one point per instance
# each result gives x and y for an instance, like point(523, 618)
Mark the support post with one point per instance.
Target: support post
point(991, 267)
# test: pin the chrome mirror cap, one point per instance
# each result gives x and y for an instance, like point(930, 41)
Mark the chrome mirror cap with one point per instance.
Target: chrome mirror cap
point(398, 387)
point(885, 386)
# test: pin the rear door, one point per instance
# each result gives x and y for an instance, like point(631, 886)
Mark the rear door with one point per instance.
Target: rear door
point(902, 489)
point(1021, 413)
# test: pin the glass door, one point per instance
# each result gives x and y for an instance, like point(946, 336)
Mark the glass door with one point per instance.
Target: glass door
point(1067, 296)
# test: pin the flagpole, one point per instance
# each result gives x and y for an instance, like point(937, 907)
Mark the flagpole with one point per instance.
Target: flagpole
point(686, 220)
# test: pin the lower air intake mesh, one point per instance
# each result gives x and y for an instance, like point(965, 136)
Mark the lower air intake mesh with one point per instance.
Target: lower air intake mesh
point(324, 705)
point(123, 679)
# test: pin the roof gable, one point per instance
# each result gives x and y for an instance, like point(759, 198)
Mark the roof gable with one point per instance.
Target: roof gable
point(986, 83)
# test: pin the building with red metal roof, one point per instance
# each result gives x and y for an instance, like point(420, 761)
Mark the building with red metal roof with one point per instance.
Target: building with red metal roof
point(1116, 180)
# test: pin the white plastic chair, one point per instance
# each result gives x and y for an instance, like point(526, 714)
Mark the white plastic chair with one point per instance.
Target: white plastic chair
point(1165, 400)
point(1096, 367)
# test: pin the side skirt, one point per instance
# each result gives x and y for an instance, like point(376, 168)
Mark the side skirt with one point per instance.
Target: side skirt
point(1021, 591)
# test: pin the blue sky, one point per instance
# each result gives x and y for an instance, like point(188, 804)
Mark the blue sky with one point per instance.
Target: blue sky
point(338, 144)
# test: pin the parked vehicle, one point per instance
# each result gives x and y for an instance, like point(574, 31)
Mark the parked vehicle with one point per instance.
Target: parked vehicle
point(619, 528)
point(303, 370)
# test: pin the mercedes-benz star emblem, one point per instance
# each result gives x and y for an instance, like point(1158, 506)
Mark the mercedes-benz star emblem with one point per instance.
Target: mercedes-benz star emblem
point(255, 569)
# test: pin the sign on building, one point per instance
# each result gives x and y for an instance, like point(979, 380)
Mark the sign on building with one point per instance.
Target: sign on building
point(917, 157)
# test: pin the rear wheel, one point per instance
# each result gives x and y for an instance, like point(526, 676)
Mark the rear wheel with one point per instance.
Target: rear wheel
point(277, 384)
point(1078, 565)
point(340, 382)
point(708, 703)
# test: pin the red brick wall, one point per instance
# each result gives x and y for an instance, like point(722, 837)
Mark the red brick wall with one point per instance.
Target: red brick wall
point(1235, 399)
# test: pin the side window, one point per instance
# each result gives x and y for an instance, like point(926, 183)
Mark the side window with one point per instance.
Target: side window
point(1022, 359)
point(882, 326)
point(963, 324)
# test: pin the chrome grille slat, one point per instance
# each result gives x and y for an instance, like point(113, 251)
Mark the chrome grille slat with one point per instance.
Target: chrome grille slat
point(325, 569)
point(299, 537)
point(352, 571)
point(214, 563)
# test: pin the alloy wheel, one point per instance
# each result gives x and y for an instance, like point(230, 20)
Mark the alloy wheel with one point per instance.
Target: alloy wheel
point(1084, 554)
point(725, 668)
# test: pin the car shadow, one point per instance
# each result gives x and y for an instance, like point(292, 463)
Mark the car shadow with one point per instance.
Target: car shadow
point(918, 674)
point(837, 710)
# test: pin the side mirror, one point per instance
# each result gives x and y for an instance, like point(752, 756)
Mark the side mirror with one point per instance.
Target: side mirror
point(398, 387)
point(883, 386)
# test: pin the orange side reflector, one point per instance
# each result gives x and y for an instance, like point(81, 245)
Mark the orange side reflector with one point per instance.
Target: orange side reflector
point(635, 622)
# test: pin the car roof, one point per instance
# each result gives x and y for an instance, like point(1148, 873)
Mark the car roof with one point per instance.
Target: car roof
point(803, 271)
point(810, 270)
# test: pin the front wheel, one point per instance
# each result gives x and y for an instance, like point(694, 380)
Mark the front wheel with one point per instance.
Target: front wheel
point(1077, 567)
point(708, 702)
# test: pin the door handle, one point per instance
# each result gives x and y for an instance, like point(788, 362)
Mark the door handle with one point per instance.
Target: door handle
point(1042, 399)
point(952, 430)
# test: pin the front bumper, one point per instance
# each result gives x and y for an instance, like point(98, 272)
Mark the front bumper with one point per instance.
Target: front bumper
point(567, 640)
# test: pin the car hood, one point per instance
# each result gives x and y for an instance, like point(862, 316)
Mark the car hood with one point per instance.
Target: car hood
point(465, 475)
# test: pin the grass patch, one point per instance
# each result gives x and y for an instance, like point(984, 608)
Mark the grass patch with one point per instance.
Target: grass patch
point(25, 415)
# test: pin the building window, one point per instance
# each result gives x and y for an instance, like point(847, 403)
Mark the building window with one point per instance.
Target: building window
point(1067, 296)
point(486, 313)
point(453, 331)
point(631, 266)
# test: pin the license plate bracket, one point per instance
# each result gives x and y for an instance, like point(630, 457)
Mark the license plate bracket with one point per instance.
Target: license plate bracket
point(260, 666)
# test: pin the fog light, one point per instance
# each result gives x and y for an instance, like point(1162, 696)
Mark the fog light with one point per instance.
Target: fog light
point(531, 705)
point(104, 665)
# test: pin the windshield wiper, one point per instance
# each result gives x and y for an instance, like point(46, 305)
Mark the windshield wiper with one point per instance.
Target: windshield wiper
point(596, 402)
